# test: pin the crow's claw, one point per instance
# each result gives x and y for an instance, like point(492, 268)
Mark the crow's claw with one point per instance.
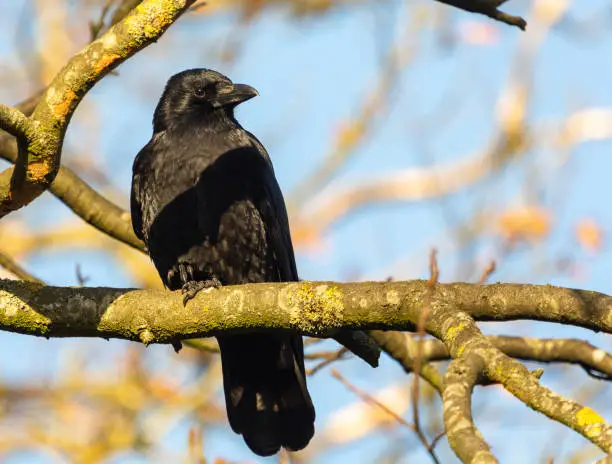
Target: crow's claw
point(191, 289)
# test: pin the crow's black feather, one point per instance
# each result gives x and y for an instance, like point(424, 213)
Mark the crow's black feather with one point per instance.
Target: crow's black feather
point(207, 204)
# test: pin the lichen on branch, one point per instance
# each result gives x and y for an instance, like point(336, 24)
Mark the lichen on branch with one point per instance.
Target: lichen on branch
point(41, 136)
point(321, 308)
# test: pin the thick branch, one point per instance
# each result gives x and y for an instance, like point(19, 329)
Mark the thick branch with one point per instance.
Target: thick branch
point(313, 308)
point(77, 195)
point(319, 309)
point(462, 337)
point(39, 157)
point(403, 347)
point(83, 200)
point(509, 302)
point(463, 436)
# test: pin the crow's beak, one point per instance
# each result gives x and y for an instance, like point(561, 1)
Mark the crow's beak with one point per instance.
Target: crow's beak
point(234, 95)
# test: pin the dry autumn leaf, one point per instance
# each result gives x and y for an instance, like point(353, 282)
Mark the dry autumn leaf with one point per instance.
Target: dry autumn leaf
point(528, 223)
point(589, 235)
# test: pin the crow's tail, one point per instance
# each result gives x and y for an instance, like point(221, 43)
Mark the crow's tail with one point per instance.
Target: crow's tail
point(265, 391)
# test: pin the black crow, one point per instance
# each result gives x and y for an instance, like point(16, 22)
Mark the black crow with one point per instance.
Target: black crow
point(207, 204)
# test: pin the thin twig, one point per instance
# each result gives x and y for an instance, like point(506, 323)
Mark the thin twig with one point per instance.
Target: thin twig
point(209, 345)
point(434, 274)
point(14, 268)
point(374, 402)
point(486, 274)
point(96, 27)
point(330, 358)
point(81, 279)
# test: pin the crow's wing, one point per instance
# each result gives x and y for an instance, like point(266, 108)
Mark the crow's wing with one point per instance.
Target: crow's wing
point(274, 211)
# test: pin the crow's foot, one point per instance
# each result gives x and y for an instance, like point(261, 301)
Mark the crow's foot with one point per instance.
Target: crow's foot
point(191, 289)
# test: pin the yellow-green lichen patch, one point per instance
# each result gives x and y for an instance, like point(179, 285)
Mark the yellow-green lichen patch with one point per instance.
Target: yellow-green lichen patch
point(16, 313)
point(153, 17)
point(591, 421)
point(586, 416)
point(316, 309)
point(460, 350)
point(11, 305)
point(452, 332)
point(146, 337)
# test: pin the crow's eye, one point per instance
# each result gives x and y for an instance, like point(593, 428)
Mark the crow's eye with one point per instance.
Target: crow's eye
point(199, 91)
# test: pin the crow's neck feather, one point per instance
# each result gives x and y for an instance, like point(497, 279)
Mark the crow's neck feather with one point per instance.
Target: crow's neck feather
point(214, 121)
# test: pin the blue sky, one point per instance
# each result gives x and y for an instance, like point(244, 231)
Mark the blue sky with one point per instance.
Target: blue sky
point(311, 75)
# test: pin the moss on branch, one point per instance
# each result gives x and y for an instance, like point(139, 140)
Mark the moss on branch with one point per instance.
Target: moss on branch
point(320, 309)
point(365, 305)
point(463, 338)
point(41, 136)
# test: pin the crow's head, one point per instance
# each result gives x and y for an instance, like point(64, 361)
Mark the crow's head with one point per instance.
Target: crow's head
point(197, 93)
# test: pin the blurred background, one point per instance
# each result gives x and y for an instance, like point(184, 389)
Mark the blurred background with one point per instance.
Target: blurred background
point(395, 127)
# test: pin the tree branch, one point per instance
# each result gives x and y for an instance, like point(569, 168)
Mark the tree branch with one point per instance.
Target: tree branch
point(77, 195)
point(14, 268)
point(463, 436)
point(15, 122)
point(316, 308)
point(74, 192)
point(39, 155)
point(596, 362)
point(321, 309)
point(395, 345)
point(462, 337)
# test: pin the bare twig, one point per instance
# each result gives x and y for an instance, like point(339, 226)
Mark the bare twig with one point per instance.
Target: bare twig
point(96, 27)
point(81, 279)
point(328, 359)
point(434, 274)
point(208, 345)
point(487, 273)
point(374, 402)
point(14, 268)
